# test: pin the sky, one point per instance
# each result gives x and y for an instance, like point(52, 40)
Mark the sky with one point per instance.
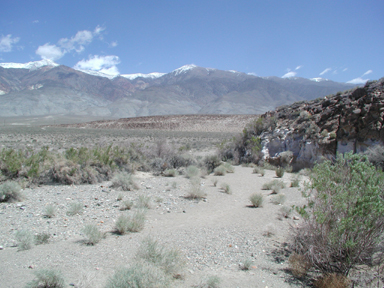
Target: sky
point(338, 40)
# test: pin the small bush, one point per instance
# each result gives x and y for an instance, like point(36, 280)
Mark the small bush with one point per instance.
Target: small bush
point(75, 208)
point(139, 275)
point(192, 171)
point(170, 173)
point(298, 265)
point(93, 234)
point(42, 238)
point(257, 200)
point(269, 230)
point(295, 182)
point(215, 182)
point(126, 205)
point(144, 201)
point(226, 188)
point(246, 265)
point(195, 190)
point(278, 199)
point(228, 168)
point(24, 240)
point(210, 282)
point(47, 279)
point(50, 211)
point(124, 181)
point(259, 170)
point(284, 212)
point(333, 280)
point(119, 197)
point(274, 185)
point(130, 223)
point(10, 192)
point(167, 259)
point(280, 172)
point(220, 171)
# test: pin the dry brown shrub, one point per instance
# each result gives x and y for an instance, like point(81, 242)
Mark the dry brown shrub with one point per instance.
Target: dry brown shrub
point(333, 280)
point(298, 265)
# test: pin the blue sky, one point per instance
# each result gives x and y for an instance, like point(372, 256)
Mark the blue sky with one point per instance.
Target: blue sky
point(338, 40)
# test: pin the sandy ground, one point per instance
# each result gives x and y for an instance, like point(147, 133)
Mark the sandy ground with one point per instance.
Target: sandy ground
point(215, 235)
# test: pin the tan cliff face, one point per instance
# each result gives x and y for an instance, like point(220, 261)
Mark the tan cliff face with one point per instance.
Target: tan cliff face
point(348, 121)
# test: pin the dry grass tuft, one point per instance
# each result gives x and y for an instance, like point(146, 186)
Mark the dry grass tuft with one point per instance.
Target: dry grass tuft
point(298, 265)
point(333, 280)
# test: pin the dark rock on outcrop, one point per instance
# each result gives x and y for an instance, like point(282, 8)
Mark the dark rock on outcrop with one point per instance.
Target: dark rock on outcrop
point(348, 121)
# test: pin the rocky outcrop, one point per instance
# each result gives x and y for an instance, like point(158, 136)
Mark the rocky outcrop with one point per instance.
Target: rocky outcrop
point(348, 121)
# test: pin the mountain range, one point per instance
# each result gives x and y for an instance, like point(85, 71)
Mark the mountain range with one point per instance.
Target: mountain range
point(44, 88)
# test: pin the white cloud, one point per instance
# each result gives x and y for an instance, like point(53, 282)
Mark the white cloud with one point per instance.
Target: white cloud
point(289, 74)
point(325, 71)
point(105, 64)
point(6, 42)
point(366, 73)
point(345, 69)
point(358, 80)
point(35, 21)
point(299, 67)
point(114, 44)
point(65, 45)
point(51, 52)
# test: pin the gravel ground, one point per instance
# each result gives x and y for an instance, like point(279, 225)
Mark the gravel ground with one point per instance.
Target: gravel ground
point(215, 235)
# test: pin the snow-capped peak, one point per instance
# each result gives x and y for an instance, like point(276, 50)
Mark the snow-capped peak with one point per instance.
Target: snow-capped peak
point(30, 65)
point(152, 75)
point(183, 69)
point(318, 79)
point(99, 73)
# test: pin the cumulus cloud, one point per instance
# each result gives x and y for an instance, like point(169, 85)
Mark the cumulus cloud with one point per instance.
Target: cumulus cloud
point(366, 73)
point(64, 45)
point(105, 64)
point(358, 80)
point(289, 74)
point(6, 42)
point(51, 52)
point(325, 71)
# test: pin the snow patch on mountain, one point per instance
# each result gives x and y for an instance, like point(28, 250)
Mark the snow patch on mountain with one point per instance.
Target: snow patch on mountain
point(98, 73)
point(152, 75)
point(318, 79)
point(30, 65)
point(183, 69)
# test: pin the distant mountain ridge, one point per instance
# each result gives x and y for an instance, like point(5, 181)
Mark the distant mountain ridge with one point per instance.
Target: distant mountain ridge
point(45, 88)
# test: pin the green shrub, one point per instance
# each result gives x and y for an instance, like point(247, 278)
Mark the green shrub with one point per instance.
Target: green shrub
point(167, 259)
point(278, 199)
point(195, 190)
point(50, 211)
point(139, 275)
point(284, 212)
point(10, 192)
point(93, 234)
point(344, 216)
point(144, 201)
point(170, 173)
point(226, 188)
point(192, 171)
point(246, 265)
point(47, 279)
point(24, 240)
point(42, 238)
point(125, 181)
point(126, 205)
point(274, 185)
point(228, 168)
point(280, 172)
point(75, 208)
point(259, 170)
point(295, 181)
point(220, 171)
point(257, 199)
point(130, 223)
